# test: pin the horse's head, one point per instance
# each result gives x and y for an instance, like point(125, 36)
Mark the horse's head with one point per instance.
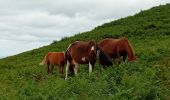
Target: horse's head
point(92, 48)
point(132, 58)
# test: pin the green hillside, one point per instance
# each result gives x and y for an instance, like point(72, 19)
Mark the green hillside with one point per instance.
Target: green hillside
point(21, 77)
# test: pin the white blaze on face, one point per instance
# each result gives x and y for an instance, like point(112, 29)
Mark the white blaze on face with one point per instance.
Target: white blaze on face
point(92, 48)
point(83, 59)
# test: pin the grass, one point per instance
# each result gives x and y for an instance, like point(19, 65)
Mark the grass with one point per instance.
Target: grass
point(148, 78)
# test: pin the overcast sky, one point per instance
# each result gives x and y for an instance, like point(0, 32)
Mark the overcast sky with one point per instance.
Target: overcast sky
point(29, 24)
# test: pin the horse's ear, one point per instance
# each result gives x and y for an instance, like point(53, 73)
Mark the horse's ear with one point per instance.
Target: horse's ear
point(92, 43)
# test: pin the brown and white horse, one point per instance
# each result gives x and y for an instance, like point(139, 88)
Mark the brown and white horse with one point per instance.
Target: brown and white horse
point(54, 58)
point(115, 48)
point(85, 53)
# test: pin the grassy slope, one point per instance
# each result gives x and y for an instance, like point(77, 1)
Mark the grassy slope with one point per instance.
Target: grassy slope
point(149, 31)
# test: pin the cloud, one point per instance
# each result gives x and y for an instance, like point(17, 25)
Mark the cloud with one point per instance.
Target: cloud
point(15, 47)
point(39, 22)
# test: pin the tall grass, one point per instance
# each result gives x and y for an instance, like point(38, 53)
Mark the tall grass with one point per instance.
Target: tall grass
point(148, 78)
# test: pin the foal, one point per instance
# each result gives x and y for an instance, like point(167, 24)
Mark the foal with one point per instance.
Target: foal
point(54, 58)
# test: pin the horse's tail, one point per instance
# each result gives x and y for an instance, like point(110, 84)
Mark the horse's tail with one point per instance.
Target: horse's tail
point(68, 55)
point(104, 59)
point(43, 62)
point(69, 59)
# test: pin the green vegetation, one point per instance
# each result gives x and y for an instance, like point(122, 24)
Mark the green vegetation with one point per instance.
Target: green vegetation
point(148, 78)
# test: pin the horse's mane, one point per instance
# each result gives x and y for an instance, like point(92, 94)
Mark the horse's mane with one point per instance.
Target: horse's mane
point(103, 58)
point(132, 52)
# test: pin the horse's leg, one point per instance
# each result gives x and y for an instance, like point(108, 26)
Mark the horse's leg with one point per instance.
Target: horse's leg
point(98, 72)
point(71, 69)
point(67, 67)
point(60, 69)
point(62, 66)
point(50, 68)
point(115, 60)
point(48, 65)
point(75, 69)
point(118, 59)
point(124, 57)
point(90, 68)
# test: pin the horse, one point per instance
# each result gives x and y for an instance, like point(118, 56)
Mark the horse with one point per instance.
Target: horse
point(116, 48)
point(81, 52)
point(54, 58)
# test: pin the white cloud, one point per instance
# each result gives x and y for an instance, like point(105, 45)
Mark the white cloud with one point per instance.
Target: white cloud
point(39, 22)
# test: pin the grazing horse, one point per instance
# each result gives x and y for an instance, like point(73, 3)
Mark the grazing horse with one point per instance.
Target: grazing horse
point(54, 58)
point(85, 53)
point(115, 48)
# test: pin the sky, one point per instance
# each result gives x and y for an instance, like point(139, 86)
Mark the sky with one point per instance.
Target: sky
point(30, 24)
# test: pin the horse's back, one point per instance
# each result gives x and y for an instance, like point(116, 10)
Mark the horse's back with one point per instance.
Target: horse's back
point(56, 57)
point(109, 42)
point(113, 42)
point(109, 46)
point(114, 47)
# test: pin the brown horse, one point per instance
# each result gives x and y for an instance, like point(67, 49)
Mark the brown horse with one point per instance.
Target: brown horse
point(85, 53)
point(54, 58)
point(115, 48)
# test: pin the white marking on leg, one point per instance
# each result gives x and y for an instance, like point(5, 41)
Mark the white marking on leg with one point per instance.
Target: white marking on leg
point(83, 59)
point(67, 67)
point(90, 68)
point(92, 48)
point(75, 69)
